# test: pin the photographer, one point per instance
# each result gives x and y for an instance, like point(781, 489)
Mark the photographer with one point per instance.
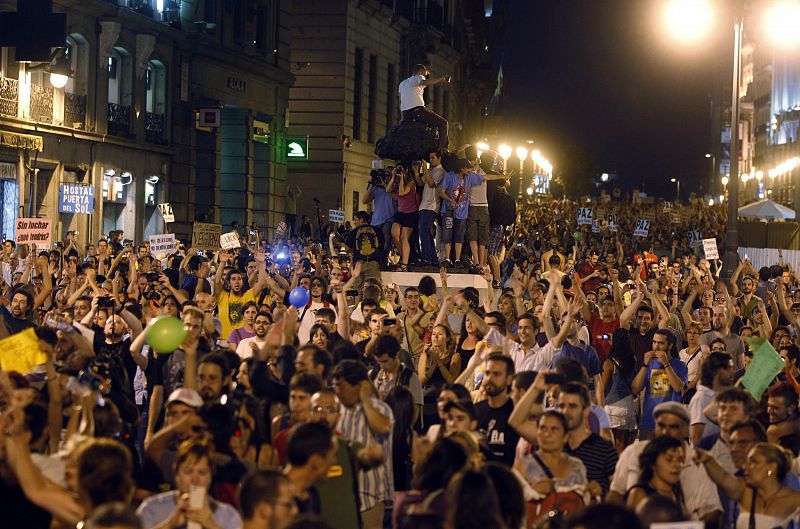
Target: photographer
point(412, 101)
point(429, 207)
point(383, 206)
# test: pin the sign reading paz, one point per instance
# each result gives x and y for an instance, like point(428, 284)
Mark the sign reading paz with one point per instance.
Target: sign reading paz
point(229, 240)
point(585, 216)
point(166, 212)
point(163, 244)
point(34, 231)
point(205, 236)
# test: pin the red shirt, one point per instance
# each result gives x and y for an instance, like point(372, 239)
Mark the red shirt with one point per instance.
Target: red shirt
point(600, 333)
point(585, 270)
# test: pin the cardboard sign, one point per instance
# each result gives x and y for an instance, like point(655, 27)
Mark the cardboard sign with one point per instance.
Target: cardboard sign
point(336, 215)
point(595, 226)
point(695, 238)
point(76, 199)
point(163, 244)
point(205, 236)
point(613, 224)
point(642, 228)
point(166, 212)
point(34, 231)
point(710, 248)
point(230, 240)
point(20, 352)
point(585, 216)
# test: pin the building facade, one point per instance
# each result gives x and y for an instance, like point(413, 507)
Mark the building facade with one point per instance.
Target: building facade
point(348, 57)
point(128, 120)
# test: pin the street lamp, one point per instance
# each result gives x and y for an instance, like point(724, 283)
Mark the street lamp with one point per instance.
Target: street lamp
point(522, 154)
point(677, 181)
point(725, 181)
point(688, 20)
point(505, 153)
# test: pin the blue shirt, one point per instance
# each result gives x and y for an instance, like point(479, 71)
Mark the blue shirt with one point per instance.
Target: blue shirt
point(658, 390)
point(156, 509)
point(384, 208)
point(456, 188)
point(584, 354)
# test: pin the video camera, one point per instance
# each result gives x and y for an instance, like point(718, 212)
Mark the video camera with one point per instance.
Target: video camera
point(377, 177)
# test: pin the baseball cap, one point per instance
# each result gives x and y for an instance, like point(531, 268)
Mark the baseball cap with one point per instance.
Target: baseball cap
point(675, 408)
point(186, 396)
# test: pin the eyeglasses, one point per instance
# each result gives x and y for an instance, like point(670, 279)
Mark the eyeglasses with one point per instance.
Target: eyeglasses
point(319, 285)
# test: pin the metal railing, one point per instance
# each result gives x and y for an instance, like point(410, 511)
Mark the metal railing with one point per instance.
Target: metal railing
point(41, 103)
point(119, 120)
point(154, 128)
point(9, 96)
point(74, 111)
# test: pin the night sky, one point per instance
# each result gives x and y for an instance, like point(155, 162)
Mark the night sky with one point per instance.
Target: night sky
point(600, 74)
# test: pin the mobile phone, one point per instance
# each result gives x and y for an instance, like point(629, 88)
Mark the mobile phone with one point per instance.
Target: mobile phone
point(554, 378)
point(388, 322)
point(351, 293)
point(197, 498)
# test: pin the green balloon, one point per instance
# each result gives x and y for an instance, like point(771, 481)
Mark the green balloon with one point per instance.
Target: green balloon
point(165, 334)
point(578, 236)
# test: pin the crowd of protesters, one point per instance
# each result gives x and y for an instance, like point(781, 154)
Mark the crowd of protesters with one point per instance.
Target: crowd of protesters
point(595, 382)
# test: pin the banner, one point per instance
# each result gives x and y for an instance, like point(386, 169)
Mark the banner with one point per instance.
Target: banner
point(76, 199)
point(710, 248)
point(34, 231)
point(642, 228)
point(585, 216)
point(205, 236)
point(163, 244)
point(763, 368)
point(166, 212)
point(336, 215)
point(230, 240)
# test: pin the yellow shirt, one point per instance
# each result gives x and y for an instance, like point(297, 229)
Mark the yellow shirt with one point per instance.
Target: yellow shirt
point(231, 312)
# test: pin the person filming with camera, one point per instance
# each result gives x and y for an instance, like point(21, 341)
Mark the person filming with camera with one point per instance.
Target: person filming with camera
point(412, 101)
point(383, 205)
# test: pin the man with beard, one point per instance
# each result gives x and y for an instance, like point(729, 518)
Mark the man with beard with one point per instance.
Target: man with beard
point(493, 412)
point(21, 305)
point(113, 344)
point(749, 300)
point(318, 289)
point(734, 345)
point(213, 377)
point(231, 294)
point(716, 374)
point(266, 499)
point(250, 346)
point(784, 418)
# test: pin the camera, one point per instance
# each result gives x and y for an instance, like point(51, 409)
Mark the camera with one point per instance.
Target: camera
point(152, 277)
point(105, 302)
point(151, 295)
point(377, 177)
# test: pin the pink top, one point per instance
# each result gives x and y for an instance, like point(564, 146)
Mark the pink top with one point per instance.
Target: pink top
point(408, 203)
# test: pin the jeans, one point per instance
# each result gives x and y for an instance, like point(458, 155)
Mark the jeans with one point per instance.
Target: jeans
point(426, 219)
point(386, 231)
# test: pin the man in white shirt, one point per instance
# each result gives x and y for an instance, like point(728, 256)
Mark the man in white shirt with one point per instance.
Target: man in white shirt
point(412, 102)
point(429, 207)
point(250, 346)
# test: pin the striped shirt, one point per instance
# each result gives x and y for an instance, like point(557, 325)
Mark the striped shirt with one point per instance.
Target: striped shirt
point(377, 484)
point(598, 456)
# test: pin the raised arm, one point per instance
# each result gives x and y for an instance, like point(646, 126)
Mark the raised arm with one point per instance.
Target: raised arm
point(529, 405)
point(686, 310)
point(630, 310)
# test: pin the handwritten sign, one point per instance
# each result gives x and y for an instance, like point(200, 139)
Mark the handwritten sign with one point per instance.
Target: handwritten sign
point(585, 216)
point(34, 231)
point(76, 199)
point(166, 212)
point(163, 244)
point(20, 352)
point(710, 248)
point(642, 228)
point(336, 215)
point(230, 240)
point(205, 236)
point(763, 369)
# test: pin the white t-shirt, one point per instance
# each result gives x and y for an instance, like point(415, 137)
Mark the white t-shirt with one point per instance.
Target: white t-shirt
point(243, 348)
point(430, 199)
point(411, 93)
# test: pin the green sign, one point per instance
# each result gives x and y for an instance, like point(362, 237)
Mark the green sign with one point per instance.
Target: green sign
point(297, 148)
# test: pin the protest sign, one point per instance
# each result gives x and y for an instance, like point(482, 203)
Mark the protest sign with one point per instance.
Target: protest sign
point(163, 244)
point(76, 199)
point(613, 224)
point(34, 231)
point(281, 230)
point(595, 226)
point(205, 236)
point(695, 238)
point(585, 216)
point(336, 215)
point(763, 368)
point(166, 212)
point(642, 228)
point(230, 240)
point(20, 352)
point(710, 248)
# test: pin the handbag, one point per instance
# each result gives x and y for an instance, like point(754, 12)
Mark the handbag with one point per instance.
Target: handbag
point(554, 505)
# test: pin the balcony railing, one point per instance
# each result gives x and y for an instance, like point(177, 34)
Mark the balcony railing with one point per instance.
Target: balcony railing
point(154, 128)
point(9, 96)
point(119, 120)
point(41, 103)
point(74, 111)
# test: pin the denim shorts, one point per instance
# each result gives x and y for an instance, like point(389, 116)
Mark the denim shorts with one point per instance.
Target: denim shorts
point(454, 234)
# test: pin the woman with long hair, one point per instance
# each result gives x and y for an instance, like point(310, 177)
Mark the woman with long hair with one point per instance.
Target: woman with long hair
point(439, 364)
point(248, 329)
point(661, 462)
point(619, 369)
point(694, 353)
point(506, 305)
point(319, 335)
point(470, 336)
point(402, 403)
point(764, 501)
point(406, 218)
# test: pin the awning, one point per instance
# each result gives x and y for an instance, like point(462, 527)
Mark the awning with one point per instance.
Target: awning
point(21, 141)
point(766, 209)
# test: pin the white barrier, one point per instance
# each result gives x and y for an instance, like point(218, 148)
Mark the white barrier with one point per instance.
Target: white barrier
point(454, 281)
point(769, 256)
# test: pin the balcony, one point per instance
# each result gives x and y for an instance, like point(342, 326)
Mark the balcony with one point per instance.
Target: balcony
point(41, 103)
point(74, 111)
point(9, 96)
point(154, 128)
point(119, 120)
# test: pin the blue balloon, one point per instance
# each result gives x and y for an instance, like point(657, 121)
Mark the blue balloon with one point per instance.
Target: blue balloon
point(299, 297)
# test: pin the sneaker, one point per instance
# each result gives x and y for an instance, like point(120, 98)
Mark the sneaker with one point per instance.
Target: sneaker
point(458, 264)
point(447, 264)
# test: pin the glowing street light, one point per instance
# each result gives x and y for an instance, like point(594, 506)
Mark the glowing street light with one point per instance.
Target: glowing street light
point(688, 20)
point(530, 191)
point(504, 151)
point(783, 23)
point(677, 181)
point(725, 181)
point(522, 154)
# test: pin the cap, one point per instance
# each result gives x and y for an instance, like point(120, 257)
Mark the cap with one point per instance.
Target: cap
point(186, 396)
point(675, 408)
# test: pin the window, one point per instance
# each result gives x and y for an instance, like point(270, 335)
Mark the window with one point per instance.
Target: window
point(391, 87)
point(267, 21)
point(358, 81)
point(372, 98)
